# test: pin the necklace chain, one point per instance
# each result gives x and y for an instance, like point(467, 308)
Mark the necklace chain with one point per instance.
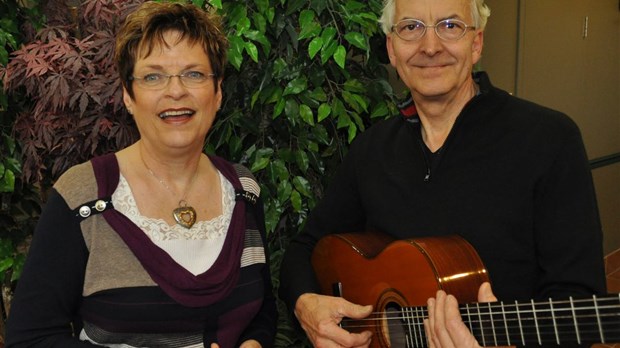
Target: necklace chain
point(183, 201)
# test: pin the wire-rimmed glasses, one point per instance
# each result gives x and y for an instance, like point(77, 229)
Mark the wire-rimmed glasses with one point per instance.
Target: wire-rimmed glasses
point(447, 29)
point(156, 81)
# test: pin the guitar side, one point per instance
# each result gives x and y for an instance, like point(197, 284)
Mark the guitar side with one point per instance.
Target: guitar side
point(369, 268)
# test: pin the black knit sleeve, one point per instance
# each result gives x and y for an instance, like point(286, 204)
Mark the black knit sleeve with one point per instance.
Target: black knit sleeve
point(44, 311)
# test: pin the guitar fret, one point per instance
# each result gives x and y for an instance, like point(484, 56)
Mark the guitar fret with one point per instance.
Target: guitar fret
point(572, 306)
point(520, 323)
point(420, 336)
point(536, 322)
point(411, 325)
point(598, 319)
point(505, 323)
point(555, 325)
point(492, 324)
point(484, 343)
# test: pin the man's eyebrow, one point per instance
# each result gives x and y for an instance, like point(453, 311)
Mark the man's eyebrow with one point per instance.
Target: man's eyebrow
point(453, 16)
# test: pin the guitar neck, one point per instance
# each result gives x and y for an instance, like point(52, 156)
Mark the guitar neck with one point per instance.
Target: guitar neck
point(590, 320)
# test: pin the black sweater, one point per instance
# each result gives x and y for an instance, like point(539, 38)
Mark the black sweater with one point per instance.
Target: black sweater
point(512, 178)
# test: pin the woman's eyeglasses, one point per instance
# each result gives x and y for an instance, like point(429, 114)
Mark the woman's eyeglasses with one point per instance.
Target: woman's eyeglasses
point(189, 79)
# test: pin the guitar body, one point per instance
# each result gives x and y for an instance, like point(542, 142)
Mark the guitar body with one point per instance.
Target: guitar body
point(370, 268)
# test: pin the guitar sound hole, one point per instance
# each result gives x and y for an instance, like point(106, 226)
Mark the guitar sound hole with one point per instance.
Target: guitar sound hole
point(394, 326)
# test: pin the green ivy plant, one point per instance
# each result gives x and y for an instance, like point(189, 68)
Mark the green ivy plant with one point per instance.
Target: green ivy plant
point(304, 79)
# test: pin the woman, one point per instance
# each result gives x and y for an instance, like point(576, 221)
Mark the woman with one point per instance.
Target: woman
point(157, 245)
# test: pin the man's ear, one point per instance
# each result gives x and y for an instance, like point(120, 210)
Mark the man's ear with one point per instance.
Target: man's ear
point(390, 49)
point(476, 46)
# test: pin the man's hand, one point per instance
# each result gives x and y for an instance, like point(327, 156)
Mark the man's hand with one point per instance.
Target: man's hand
point(320, 316)
point(444, 326)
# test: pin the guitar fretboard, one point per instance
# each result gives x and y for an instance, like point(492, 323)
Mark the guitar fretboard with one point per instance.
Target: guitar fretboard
point(533, 323)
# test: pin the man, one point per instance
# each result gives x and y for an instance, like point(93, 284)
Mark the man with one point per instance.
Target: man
point(464, 158)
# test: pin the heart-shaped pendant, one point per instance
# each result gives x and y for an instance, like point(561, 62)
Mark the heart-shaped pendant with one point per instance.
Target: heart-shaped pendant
point(185, 216)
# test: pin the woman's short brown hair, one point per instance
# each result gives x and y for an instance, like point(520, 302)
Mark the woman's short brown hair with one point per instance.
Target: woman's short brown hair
point(144, 29)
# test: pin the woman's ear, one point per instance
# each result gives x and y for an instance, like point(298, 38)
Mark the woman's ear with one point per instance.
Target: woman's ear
point(128, 101)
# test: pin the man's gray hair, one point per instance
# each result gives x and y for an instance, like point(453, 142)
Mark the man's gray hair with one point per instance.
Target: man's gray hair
point(480, 12)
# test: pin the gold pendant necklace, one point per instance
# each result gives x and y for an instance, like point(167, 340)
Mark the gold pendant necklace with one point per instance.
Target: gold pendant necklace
point(184, 214)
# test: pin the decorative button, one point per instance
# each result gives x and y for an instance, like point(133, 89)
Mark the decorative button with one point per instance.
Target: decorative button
point(84, 211)
point(100, 205)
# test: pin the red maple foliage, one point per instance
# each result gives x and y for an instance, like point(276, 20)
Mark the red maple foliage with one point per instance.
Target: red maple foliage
point(75, 109)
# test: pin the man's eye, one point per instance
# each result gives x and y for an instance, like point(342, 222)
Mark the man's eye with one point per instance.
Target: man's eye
point(194, 75)
point(452, 25)
point(411, 26)
point(152, 77)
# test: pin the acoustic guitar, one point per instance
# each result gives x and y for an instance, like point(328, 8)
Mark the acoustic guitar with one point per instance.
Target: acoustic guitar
point(397, 277)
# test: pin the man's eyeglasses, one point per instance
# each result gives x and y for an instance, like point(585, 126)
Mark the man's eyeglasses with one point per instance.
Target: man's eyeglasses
point(189, 79)
point(448, 29)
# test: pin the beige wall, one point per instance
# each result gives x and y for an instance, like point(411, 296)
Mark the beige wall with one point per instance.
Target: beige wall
point(537, 50)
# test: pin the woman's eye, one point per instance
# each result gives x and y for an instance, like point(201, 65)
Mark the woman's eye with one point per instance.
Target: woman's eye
point(194, 75)
point(152, 77)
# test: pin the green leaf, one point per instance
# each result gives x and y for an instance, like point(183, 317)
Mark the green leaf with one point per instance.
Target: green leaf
point(318, 5)
point(275, 96)
point(291, 110)
point(270, 14)
point(352, 133)
point(277, 110)
point(340, 55)
point(261, 160)
point(4, 56)
point(356, 101)
point(243, 25)
point(318, 94)
point(306, 114)
point(344, 121)
point(356, 39)
point(285, 188)
point(277, 170)
point(356, 86)
point(235, 51)
point(315, 46)
point(252, 51)
point(260, 23)
point(296, 201)
point(301, 158)
point(262, 5)
point(294, 5)
point(259, 37)
point(379, 110)
point(216, 3)
point(324, 111)
point(328, 34)
point(306, 17)
point(296, 86)
point(6, 264)
point(236, 13)
point(7, 181)
point(329, 47)
point(320, 134)
point(302, 185)
point(312, 29)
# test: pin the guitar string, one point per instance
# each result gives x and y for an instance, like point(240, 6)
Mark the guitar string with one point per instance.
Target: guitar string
point(502, 308)
point(420, 318)
point(587, 335)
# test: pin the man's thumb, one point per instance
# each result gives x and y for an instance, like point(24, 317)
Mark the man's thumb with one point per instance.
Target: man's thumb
point(485, 294)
